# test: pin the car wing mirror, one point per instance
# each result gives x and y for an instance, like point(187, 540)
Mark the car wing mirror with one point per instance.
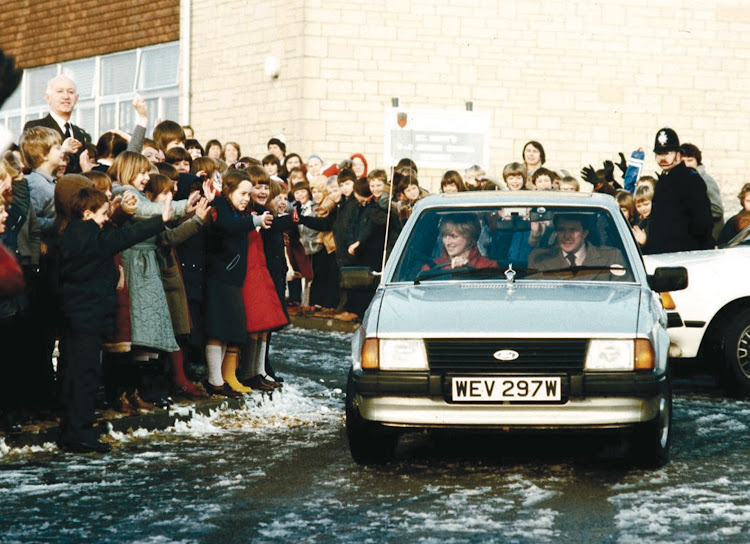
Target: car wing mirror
point(668, 278)
point(358, 278)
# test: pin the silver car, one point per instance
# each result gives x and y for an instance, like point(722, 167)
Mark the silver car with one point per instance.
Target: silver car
point(512, 311)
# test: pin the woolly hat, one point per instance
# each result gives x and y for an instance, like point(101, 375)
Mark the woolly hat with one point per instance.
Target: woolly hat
point(666, 140)
point(314, 156)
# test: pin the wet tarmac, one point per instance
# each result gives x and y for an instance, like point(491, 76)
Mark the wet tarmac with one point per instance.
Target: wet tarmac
point(277, 469)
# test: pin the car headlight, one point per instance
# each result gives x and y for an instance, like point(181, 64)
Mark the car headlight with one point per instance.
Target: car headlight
point(393, 354)
point(610, 355)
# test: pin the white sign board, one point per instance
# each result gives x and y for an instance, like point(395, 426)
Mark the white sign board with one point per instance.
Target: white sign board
point(437, 138)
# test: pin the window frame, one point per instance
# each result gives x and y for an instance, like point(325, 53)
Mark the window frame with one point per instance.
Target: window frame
point(15, 110)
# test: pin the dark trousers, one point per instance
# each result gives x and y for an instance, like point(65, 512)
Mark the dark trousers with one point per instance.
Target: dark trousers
point(80, 383)
point(295, 290)
point(324, 290)
point(13, 387)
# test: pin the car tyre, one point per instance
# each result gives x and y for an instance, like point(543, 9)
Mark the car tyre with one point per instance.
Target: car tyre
point(735, 347)
point(369, 443)
point(652, 440)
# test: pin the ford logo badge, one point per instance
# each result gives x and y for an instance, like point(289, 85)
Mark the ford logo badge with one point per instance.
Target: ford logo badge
point(505, 355)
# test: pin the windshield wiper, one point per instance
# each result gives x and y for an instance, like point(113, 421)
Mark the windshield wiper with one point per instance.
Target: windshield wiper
point(737, 239)
point(614, 269)
point(458, 272)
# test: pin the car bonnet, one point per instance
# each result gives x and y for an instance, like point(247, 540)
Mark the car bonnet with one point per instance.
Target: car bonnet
point(476, 309)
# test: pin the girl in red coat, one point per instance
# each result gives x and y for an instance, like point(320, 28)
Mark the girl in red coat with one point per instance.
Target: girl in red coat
point(263, 309)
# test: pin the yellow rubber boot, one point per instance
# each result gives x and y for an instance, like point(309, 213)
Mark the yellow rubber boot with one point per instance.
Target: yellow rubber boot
point(229, 371)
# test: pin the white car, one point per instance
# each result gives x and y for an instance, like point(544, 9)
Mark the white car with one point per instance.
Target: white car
point(711, 317)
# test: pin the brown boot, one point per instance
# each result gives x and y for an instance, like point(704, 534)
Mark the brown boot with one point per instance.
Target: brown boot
point(229, 371)
point(138, 402)
point(123, 405)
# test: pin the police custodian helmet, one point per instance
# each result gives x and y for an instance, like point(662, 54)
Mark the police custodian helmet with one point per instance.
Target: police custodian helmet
point(666, 141)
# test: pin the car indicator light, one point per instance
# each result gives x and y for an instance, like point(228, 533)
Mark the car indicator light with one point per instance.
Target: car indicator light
point(371, 354)
point(644, 354)
point(667, 302)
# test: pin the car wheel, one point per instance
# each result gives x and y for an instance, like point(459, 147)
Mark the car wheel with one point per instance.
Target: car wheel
point(652, 440)
point(370, 443)
point(735, 347)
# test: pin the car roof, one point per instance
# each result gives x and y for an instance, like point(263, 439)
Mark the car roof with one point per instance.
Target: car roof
point(519, 198)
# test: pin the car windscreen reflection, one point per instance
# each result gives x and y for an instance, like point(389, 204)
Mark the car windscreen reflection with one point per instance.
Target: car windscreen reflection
point(514, 243)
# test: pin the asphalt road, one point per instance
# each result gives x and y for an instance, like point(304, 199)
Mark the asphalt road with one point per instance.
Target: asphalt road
point(278, 470)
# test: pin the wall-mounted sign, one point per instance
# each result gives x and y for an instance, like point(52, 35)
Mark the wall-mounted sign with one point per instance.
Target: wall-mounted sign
point(437, 138)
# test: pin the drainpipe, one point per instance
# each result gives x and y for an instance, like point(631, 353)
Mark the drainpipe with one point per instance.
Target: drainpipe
point(186, 10)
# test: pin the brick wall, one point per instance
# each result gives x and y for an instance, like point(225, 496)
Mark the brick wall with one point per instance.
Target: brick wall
point(231, 97)
point(41, 32)
point(587, 79)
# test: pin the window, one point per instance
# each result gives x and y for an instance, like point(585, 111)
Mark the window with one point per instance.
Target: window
point(471, 244)
point(106, 87)
point(117, 73)
point(82, 72)
point(159, 67)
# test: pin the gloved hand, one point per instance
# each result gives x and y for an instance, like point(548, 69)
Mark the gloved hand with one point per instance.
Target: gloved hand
point(10, 77)
point(623, 164)
point(297, 206)
point(346, 163)
point(589, 174)
point(609, 170)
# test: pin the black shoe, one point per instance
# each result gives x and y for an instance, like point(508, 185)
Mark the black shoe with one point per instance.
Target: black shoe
point(86, 447)
point(259, 384)
point(223, 390)
point(273, 380)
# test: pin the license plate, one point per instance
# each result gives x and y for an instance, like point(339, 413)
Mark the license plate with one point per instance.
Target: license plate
point(508, 388)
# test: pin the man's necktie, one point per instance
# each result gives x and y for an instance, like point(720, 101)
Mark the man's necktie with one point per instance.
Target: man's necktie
point(571, 258)
point(67, 131)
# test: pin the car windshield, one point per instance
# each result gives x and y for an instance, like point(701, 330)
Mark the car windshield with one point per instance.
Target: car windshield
point(514, 243)
point(741, 239)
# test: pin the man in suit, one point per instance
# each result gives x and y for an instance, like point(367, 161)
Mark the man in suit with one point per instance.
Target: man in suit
point(62, 98)
point(572, 254)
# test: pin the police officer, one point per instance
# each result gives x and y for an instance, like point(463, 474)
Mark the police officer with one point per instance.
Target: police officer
point(681, 211)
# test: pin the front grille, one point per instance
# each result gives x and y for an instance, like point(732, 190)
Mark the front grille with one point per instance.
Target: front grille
point(535, 355)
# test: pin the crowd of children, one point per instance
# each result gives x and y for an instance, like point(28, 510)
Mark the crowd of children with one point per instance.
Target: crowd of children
point(165, 268)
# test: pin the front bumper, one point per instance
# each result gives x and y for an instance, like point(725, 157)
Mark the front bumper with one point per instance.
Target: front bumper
point(594, 413)
point(596, 401)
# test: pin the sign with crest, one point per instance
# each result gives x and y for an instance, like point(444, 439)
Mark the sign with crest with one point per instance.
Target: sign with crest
point(447, 139)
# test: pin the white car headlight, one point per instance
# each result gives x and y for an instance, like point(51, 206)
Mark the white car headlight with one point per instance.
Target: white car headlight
point(402, 354)
point(610, 355)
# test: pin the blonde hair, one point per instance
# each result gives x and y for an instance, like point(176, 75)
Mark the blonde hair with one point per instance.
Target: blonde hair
point(126, 166)
point(643, 192)
point(36, 144)
point(465, 224)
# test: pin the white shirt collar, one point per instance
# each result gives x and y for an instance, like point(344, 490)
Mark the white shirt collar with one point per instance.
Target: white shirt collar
point(61, 122)
point(580, 255)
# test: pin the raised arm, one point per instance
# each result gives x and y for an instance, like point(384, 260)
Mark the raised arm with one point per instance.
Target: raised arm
point(139, 132)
